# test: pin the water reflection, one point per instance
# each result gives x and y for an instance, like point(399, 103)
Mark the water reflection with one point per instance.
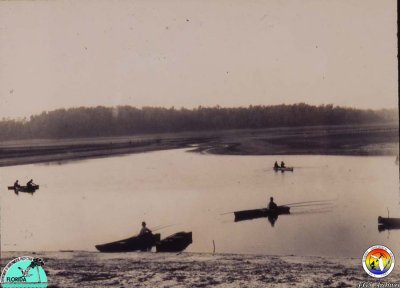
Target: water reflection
point(272, 219)
point(81, 204)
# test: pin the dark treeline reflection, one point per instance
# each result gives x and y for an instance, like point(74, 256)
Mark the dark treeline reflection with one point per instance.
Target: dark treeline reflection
point(126, 120)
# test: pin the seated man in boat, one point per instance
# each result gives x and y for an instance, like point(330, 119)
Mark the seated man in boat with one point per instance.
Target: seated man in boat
point(144, 229)
point(283, 164)
point(16, 185)
point(272, 205)
point(276, 166)
point(30, 184)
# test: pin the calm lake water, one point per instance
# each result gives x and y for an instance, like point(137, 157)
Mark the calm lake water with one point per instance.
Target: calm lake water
point(84, 203)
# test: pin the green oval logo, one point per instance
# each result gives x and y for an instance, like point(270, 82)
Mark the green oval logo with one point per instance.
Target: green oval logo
point(24, 271)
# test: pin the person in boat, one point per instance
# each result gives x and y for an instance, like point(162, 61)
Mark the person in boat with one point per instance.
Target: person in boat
point(276, 166)
point(30, 184)
point(283, 164)
point(16, 185)
point(144, 229)
point(272, 205)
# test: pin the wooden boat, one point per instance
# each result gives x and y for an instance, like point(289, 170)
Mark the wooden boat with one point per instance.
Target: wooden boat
point(283, 169)
point(259, 213)
point(137, 243)
point(24, 188)
point(175, 243)
point(388, 223)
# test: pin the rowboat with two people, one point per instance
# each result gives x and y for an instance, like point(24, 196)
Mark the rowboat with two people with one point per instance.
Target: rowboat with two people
point(282, 167)
point(29, 188)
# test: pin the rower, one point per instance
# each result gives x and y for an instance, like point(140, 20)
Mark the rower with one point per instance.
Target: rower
point(272, 205)
point(282, 164)
point(30, 183)
point(276, 166)
point(16, 184)
point(144, 229)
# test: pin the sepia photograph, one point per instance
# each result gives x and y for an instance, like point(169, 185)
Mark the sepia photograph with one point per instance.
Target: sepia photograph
point(188, 143)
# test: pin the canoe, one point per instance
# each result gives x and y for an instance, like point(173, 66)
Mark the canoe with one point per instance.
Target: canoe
point(283, 169)
point(175, 243)
point(137, 243)
point(24, 188)
point(259, 213)
point(388, 223)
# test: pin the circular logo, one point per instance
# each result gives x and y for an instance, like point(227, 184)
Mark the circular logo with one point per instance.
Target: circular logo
point(24, 271)
point(378, 261)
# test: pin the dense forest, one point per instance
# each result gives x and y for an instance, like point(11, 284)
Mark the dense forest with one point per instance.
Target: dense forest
point(127, 120)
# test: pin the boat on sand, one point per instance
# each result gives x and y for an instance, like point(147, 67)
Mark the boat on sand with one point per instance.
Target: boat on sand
point(175, 243)
point(136, 243)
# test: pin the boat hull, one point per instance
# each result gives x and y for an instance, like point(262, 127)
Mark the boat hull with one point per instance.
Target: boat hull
point(137, 243)
point(388, 223)
point(276, 169)
point(24, 188)
point(175, 243)
point(259, 213)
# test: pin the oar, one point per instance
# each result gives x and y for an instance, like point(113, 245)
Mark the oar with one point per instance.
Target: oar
point(157, 227)
point(300, 167)
point(308, 205)
point(289, 204)
point(227, 213)
point(308, 202)
point(316, 211)
point(163, 227)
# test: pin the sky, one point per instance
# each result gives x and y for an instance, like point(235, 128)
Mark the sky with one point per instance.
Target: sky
point(61, 54)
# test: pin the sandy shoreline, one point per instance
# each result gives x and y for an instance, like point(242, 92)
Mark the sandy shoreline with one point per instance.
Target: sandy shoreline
point(332, 140)
point(91, 269)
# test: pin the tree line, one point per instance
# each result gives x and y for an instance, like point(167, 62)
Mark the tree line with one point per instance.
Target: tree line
point(126, 120)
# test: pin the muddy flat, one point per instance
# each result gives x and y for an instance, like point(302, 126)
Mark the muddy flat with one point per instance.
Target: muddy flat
point(317, 140)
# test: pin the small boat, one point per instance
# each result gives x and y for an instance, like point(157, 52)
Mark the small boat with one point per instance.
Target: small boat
point(259, 213)
point(137, 243)
point(24, 188)
point(283, 169)
point(175, 243)
point(388, 223)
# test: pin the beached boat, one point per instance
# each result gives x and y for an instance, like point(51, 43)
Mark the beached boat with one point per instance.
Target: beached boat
point(24, 188)
point(175, 243)
point(259, 213)
point(283, 169)
point(137, 243)
point(388, 223)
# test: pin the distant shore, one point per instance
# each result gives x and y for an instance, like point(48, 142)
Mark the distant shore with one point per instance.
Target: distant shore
point(366, 140)
point(93, 269)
